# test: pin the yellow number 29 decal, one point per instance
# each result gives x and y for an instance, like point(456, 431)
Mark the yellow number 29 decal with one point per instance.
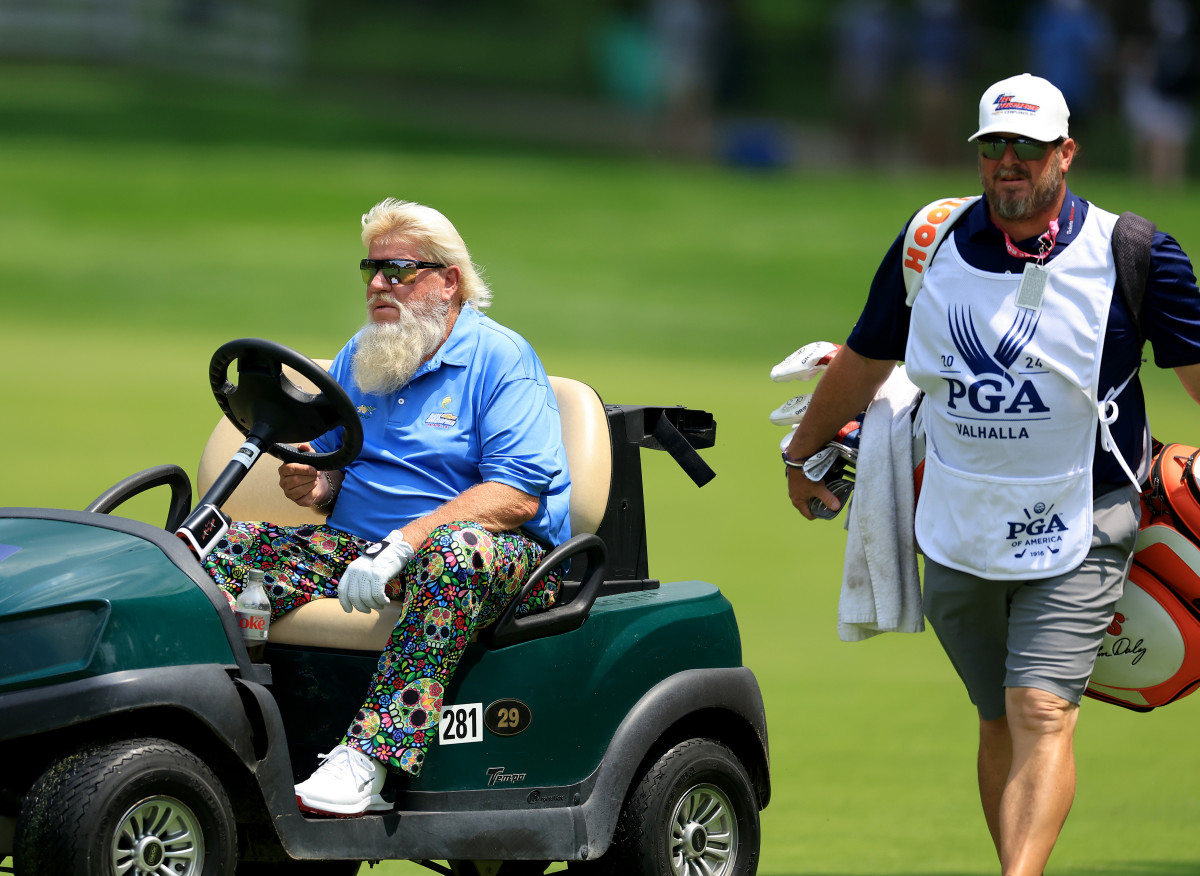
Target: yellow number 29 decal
point(507, 717)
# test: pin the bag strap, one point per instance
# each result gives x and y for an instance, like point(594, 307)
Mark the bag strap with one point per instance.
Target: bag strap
point(675, 443)
point(924, 234)
point(1131, 239)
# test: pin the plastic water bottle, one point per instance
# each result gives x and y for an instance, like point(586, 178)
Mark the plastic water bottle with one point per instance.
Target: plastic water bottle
point(253, 611)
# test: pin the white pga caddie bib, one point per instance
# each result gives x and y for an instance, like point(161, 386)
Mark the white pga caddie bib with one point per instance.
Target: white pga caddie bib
point(1011, 409)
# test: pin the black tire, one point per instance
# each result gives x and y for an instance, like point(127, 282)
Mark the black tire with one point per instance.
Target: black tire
point(695, 811)
point(126, 807)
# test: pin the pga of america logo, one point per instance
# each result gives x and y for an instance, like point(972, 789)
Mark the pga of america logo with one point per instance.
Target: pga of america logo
point(1039, 534)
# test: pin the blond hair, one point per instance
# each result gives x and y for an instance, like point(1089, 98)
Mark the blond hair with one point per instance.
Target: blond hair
point(436, 239)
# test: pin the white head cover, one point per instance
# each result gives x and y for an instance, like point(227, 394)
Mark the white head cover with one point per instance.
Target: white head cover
point(1025, 105)
point(806, 363)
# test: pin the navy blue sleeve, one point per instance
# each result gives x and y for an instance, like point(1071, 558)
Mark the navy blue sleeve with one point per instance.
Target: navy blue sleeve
point(882, 330)
point(1172, 306)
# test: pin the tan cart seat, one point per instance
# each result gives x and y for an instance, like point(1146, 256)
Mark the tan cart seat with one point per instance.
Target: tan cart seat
point(322, 623)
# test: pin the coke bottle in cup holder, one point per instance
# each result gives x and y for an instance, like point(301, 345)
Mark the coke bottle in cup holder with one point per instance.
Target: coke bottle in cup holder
point(253, 612)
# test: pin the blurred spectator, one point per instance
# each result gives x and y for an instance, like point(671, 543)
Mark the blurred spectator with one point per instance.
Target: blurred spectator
point(1160, 86)
point(627, 60)
point(747, 138)
point(940, 45)
point(864, 34)
point(1071, 43)
point(685, 34)
point(734, 52)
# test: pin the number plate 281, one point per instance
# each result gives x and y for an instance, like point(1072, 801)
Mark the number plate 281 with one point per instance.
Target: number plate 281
point(463, 723)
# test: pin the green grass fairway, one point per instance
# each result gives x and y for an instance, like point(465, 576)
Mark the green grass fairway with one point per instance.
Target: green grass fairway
point(144, 224)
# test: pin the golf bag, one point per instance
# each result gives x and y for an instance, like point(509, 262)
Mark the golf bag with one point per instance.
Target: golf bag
point(1151, 653)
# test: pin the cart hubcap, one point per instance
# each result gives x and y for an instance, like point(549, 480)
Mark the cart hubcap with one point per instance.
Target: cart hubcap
point(158, 835)
point(703, 833)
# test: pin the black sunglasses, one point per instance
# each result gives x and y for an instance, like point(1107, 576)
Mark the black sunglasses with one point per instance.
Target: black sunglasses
point(403, 271)
point(992, 148)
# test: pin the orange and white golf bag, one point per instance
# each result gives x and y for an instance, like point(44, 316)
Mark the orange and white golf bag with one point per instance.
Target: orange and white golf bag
point(1151, 653)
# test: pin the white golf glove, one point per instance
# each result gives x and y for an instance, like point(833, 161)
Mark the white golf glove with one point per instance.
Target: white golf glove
point(364, 583)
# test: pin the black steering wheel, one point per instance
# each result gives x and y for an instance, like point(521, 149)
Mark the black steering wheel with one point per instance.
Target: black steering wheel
point(269, 407)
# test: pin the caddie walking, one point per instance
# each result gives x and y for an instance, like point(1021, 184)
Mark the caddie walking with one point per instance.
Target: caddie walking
point(1036, 436)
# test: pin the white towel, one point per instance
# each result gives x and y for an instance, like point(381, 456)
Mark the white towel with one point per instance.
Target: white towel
point(881, 587)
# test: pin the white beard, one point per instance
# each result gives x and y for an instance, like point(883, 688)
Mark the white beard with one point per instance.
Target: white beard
point(389, 354)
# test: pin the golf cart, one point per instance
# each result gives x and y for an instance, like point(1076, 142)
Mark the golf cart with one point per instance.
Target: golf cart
point(618, 731)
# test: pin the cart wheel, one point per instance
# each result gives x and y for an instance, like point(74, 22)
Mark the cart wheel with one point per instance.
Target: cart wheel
point(136, 807)
point(693, 813)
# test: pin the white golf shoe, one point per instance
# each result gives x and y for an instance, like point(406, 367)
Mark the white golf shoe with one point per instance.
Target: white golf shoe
point(347, 783)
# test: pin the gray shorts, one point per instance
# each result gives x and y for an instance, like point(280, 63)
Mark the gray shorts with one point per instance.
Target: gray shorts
point(1043, 633)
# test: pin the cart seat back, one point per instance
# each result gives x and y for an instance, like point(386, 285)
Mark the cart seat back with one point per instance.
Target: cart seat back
point(322, 623)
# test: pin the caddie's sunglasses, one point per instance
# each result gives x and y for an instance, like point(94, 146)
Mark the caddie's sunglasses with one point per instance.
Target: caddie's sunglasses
point(402, 271)
point(992, 148)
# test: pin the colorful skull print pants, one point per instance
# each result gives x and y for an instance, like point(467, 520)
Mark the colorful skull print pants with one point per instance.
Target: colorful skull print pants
point(460, 580)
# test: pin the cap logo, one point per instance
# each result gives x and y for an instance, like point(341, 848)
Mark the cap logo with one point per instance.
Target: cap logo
point(1006, 102)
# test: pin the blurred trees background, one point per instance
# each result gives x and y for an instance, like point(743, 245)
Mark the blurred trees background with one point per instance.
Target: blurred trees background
point(761, 83)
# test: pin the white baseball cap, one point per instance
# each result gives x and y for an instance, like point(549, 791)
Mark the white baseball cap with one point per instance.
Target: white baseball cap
point(1025, 105)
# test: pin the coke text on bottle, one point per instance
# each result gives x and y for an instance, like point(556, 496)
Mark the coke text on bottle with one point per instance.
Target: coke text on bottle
point(253, 611)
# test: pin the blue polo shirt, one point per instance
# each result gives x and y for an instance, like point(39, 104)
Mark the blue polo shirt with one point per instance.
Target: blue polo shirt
point(480, 410)
point(1171, 314)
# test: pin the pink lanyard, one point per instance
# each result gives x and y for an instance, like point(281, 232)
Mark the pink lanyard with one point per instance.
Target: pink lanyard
point(1046, 240)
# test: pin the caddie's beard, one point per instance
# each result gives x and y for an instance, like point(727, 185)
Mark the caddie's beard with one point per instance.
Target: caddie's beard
point(1045, 191)
point(389, 353)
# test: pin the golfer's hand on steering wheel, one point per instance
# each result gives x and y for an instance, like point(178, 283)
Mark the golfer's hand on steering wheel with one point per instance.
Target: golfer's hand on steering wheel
point(302, 483)
point(364, 583)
